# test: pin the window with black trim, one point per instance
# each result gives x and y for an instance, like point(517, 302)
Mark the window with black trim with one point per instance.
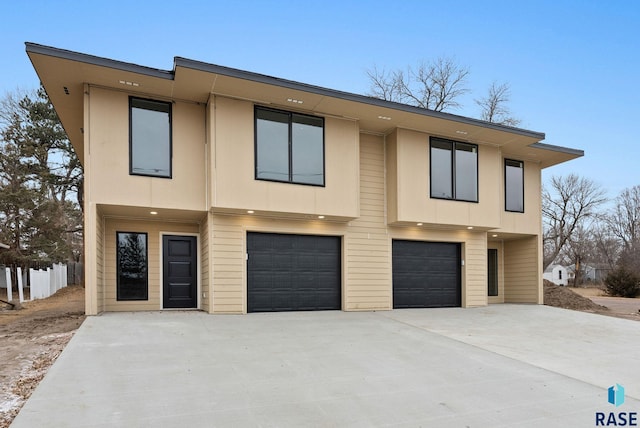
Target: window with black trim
point(149, 137)
point(454, 170)
point(132, 266)
point(289, 147)
point(492, 262)
point(513, 185)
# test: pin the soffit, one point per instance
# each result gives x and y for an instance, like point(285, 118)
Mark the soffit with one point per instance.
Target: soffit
point(195, 82)
point(144, 213)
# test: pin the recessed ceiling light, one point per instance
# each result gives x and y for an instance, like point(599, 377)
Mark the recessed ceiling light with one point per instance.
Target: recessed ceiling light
point(320, 217)
point(126, 82)
point(250, 211)
point(153, 212)
point(494, 236)
point(469, 227)
point(419, 224)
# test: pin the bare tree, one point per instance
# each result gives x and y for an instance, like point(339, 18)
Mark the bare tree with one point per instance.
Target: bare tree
point(494, 106)
point(578, 251)
point(384, 85)
point(570, 203)
point(624, 220)
point(435, 85)
point(624, 224)
point(606, 245)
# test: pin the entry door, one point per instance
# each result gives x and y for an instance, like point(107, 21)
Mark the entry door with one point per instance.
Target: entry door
point(180, 271)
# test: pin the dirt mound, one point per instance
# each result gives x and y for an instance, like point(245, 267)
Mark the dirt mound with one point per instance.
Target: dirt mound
point(563, 297)
point(31, 339)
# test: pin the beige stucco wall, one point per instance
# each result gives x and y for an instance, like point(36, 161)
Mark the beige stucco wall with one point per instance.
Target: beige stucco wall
point(108, 125)
point(375, 187)
point(408, 186)
point(154, 231)
point(233, 183)
point(366, 263)
point(409, 179)
point(530, 221)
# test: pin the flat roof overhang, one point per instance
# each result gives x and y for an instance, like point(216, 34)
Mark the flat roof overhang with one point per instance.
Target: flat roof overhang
point(64, 73)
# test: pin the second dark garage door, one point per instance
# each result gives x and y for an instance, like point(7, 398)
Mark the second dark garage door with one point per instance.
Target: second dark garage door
point(426, 274)
point(293, 272)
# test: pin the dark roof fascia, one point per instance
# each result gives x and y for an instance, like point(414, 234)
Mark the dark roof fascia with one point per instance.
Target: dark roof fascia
point(289, 84)
point(98, 61)
point(560, 149)
point(261, 78)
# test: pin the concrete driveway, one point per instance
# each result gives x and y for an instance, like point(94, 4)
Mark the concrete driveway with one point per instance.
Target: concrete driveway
point(499, 366)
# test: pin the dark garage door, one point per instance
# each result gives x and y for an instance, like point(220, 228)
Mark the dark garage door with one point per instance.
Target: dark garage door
point(293, 272)
point(426, 274)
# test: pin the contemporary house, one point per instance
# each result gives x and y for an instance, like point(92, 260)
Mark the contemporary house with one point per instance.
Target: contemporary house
point(223, 190)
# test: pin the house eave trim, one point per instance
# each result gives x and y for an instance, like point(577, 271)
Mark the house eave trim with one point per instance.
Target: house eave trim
point(559, 149)
point(96, 60)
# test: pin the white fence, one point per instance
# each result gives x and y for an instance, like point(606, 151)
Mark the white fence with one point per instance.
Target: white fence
point(44, 283)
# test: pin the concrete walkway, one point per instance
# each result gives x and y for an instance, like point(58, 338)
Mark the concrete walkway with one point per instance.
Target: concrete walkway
point(499, 366)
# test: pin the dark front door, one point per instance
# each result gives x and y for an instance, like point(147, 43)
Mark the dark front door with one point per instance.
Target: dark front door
point(180, 271)
point(293, 272)
point(425, 274)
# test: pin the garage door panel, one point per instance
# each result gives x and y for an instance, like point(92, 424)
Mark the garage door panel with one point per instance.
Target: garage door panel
point(426, 274)
point(293, 272)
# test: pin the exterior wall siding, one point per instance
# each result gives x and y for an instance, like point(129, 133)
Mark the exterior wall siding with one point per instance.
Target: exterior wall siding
point(228, 265)
point(373, 203)
point(473, 254)
point(229, 285)
point(100, 292)
point(235, 190)
point(498, 245)
point(108, 124)
point(528, 222)
point(367, 244)
point(522, 273)
point(153, 230)
point(205, 263)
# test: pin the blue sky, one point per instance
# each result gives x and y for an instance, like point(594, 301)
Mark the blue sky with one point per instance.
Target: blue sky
point(573, 66)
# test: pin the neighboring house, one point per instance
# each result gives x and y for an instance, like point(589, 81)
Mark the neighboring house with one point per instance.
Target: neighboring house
point(590, 273)
point(557, 274)
point(228, 191)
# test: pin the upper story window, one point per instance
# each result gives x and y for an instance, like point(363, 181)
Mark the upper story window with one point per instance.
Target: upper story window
point(454, 170)
point(289, 147)
point(149, 137)
point(514, 185)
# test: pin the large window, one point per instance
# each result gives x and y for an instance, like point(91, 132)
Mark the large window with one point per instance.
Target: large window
point(289, 147)
point(132, 266)
point(454, 170)
point(514, 185)
point(149, 138)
